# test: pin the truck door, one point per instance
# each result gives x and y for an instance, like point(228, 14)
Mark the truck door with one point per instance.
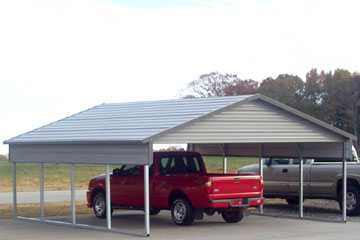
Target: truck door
point(322, 178)
point(276, 176)
point(125, 187)
point(294, 176)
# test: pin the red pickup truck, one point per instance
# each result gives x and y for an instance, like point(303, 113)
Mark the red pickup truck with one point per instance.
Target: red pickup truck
point(178, 182)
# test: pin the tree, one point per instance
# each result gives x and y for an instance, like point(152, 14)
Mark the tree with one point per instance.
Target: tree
point(341, 100)
point(242, 87)
point(217, 84)
point(287, 89)
point(314, 93)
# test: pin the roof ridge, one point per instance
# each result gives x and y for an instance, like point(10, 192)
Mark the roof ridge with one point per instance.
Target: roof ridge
point(183, 99)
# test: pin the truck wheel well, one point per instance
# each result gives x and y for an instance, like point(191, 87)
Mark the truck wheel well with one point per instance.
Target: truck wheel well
point(95, 191)
point(177, 194)
point(350, 182)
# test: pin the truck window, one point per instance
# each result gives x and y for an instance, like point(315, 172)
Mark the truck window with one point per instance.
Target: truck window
point(130, 170)
point(180, 164)
point(280, 161)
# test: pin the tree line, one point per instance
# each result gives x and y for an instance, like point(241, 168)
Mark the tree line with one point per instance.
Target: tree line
point(333, 97)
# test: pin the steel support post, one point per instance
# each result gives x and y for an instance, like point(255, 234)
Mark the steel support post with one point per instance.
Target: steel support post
point(108, 200)
point(261, 172)
point(225, 164)
point(301, 180)
point(14, 190)
point(223, 150)
point(301, 187)
point(146, 191)
point(147, 203)
point(73, 208)
point(42, 208)
point(344, 183)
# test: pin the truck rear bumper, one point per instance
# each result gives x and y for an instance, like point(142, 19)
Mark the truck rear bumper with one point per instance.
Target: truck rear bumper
point(236, 202)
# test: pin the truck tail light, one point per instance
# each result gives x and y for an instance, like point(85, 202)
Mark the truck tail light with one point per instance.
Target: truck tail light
point(262, 182)
point(208, 186)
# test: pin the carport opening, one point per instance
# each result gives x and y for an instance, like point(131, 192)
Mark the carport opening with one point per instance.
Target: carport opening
point(56, 193)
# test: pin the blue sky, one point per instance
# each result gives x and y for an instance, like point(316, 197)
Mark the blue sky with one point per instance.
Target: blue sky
point(60, 57)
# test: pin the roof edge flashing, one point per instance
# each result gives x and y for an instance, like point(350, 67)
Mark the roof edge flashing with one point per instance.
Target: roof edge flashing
point(75, 142)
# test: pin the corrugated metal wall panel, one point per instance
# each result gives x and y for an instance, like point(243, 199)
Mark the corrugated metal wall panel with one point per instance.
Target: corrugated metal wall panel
point(251, 122)
point(81, 153)
point(309, 150)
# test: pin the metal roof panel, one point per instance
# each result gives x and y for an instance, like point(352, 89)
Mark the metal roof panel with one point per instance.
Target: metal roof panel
point(131, 121)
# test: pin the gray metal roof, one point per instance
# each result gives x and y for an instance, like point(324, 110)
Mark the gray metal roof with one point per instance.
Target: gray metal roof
point(125, 122)
point(141, 121)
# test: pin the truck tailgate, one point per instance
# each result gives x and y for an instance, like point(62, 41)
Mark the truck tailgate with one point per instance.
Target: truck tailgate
point(236, 185)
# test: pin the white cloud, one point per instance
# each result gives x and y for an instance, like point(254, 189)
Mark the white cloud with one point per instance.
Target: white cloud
point(60, 57)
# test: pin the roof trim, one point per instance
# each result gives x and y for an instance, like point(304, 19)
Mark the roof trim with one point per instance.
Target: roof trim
point(79, 142)
point(160, 134)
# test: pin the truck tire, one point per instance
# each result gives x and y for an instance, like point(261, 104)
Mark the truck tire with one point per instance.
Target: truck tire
point(352, 200)
point(99, 205)
point(154, 211)
point(292, 200)
point(182, 212)
point(232, 216)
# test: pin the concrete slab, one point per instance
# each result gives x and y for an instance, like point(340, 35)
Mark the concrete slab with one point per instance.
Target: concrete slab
point(252, 227)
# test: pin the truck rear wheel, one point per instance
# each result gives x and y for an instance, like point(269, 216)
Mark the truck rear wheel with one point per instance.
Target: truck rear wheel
point(352, 201)
point(154, 211)
point(232, 216)
point(182, 212)
point(292, 200)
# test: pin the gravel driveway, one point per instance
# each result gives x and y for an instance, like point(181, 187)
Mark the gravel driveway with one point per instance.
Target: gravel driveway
point(319, 208)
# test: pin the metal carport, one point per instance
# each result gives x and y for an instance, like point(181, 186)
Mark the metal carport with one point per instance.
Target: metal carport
point(124, 133)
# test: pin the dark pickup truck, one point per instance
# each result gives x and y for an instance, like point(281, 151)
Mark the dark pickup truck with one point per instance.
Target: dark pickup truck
point(178, 182)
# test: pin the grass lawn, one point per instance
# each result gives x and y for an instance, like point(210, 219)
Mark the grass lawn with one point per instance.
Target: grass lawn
point(57, 176)
point(215, 164)
point(51, 209)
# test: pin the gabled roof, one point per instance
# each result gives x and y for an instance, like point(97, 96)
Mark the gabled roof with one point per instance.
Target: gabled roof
point(142, 121)
point(125, 122)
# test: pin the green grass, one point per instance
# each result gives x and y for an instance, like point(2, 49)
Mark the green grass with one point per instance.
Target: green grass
point(57, 176)
point(215, 164)
point(51, 209)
